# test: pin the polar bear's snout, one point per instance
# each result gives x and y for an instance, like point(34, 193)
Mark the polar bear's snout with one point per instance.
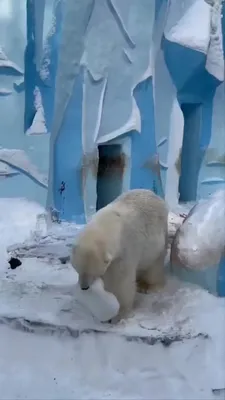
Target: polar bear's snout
point(84, 281)
point(84, 288)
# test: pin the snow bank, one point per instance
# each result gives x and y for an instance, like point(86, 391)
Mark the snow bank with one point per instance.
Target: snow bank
point(71, 365)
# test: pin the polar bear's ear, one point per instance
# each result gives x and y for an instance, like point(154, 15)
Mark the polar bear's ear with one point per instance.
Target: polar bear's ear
point(108, 258)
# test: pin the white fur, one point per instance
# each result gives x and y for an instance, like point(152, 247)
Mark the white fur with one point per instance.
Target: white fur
point(124, 243)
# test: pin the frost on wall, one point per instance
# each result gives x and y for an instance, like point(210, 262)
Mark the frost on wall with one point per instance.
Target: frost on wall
point(18, 160)
point(7, 66)
point(6, 171)
point(38, 126)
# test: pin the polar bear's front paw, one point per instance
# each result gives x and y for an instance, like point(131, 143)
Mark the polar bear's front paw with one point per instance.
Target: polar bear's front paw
point(122, 315)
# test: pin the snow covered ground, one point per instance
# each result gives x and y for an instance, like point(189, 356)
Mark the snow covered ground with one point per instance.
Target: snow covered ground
point(45, 355)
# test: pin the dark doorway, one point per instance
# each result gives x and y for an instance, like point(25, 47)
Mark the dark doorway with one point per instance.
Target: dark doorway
point(110, 173)
point(190, 152)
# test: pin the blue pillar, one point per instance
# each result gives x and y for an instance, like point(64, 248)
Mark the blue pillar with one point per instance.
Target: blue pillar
point(66, 151)
point(67, 177)
point(145, 169)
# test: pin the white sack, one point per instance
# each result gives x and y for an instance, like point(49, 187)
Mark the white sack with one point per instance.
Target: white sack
point(200, 241)
point(101, 304)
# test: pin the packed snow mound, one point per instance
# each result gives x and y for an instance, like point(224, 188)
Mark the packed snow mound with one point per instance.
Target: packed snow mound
point(183, 27)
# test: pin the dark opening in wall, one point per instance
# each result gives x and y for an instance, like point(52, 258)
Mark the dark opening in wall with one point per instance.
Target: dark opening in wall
point(189, 157)
point(111, 168)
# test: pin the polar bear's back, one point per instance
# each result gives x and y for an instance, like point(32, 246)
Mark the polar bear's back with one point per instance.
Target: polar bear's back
point(144, 204)
point(144, 218)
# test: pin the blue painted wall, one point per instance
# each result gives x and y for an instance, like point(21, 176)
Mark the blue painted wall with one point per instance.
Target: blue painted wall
point(35, 53)
point(191, 153)
point(80, 74)
point(34, 157)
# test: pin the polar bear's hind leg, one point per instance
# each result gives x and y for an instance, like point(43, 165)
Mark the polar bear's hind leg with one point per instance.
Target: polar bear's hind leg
point(154, 278)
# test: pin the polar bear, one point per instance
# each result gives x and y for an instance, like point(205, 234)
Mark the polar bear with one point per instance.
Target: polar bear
point(125, 244)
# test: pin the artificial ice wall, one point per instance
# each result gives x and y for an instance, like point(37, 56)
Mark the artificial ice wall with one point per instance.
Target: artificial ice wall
point(129, 86)
point(77, 74)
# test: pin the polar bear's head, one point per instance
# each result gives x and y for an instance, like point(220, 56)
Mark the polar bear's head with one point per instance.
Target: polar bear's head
point(90, 257)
